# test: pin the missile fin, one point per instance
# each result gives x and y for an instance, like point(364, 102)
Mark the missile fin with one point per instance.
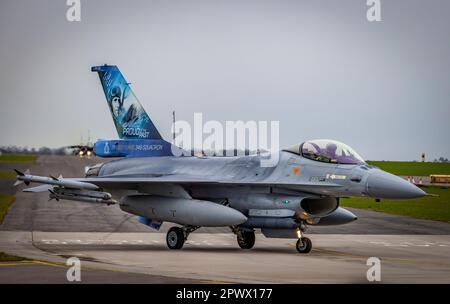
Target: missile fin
point(19, 173)
point(55, 196)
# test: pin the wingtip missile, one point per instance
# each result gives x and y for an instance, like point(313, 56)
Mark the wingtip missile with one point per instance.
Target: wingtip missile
point(60, 181)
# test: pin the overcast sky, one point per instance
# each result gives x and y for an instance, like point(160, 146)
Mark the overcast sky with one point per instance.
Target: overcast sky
point(319, 67)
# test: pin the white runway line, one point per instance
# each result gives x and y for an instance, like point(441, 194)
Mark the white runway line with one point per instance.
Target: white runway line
point(408, 244)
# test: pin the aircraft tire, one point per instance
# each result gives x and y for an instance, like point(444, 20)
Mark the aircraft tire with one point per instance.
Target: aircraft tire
point(247, 241)
point(304, 246)
point(175, 238)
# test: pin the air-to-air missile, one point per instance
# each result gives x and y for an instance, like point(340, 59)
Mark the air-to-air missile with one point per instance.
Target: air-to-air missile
point(67, 189)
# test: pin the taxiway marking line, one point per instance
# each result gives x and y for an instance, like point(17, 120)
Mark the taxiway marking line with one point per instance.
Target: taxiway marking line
point(23, 263)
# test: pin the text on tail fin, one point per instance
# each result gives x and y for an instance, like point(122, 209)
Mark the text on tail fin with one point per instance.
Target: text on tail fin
point(129, 116)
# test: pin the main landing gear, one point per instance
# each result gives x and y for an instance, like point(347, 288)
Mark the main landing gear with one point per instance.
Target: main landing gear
point(176, 236)
point(245, 237)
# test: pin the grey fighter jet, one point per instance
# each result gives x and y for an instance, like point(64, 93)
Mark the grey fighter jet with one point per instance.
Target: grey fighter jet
point(303, 189)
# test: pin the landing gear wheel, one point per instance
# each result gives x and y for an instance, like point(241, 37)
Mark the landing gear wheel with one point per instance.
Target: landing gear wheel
point(304, 245)
point(175, 238)
point(246, 240)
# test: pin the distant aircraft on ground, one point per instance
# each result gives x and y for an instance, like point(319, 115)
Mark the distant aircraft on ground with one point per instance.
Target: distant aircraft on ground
point(82, 150)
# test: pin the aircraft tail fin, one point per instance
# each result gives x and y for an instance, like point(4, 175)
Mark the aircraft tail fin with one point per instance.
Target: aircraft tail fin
point(129, 116)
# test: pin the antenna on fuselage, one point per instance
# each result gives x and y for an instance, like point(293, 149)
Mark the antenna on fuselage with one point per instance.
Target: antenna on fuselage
point(173, 128)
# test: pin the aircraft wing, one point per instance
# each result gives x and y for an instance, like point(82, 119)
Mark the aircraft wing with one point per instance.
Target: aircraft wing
point(118, 181)
point(93, 183)
point(91, 187)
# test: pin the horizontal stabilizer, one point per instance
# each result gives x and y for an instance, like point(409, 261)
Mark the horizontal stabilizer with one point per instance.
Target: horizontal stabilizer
point(155, 224)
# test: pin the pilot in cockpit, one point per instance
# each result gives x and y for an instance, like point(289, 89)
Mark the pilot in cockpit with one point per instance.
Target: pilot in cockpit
point(330, 151)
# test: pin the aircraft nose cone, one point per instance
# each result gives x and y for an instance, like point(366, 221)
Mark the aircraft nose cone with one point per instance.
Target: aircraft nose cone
point(381, 184)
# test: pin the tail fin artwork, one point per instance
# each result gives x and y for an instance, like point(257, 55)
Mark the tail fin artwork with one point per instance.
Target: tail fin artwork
point(130, 118)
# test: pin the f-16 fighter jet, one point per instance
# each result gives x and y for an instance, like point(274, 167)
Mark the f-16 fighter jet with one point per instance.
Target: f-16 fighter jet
point(302, 189)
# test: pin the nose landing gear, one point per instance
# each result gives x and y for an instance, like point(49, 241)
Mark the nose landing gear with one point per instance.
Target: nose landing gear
point(304, 244)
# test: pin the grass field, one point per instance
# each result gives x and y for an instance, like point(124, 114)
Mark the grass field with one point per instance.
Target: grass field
point(412, 168)
point(17, 158)
point(5, 202)
point(430, 208)
point(4, 257)
point(7, 175)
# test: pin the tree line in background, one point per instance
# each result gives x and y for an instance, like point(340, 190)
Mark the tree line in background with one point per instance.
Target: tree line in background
point(441, 160)
point(35, 151)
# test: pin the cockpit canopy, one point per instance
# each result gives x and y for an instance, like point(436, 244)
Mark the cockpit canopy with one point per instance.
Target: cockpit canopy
point(327, 151)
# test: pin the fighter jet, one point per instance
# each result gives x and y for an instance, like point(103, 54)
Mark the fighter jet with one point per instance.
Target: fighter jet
point(302, 190)
point(82, 149)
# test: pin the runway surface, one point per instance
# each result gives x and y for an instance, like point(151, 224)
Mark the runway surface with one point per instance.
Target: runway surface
point(33, 272)
point(114, 247)
point(217, 258)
